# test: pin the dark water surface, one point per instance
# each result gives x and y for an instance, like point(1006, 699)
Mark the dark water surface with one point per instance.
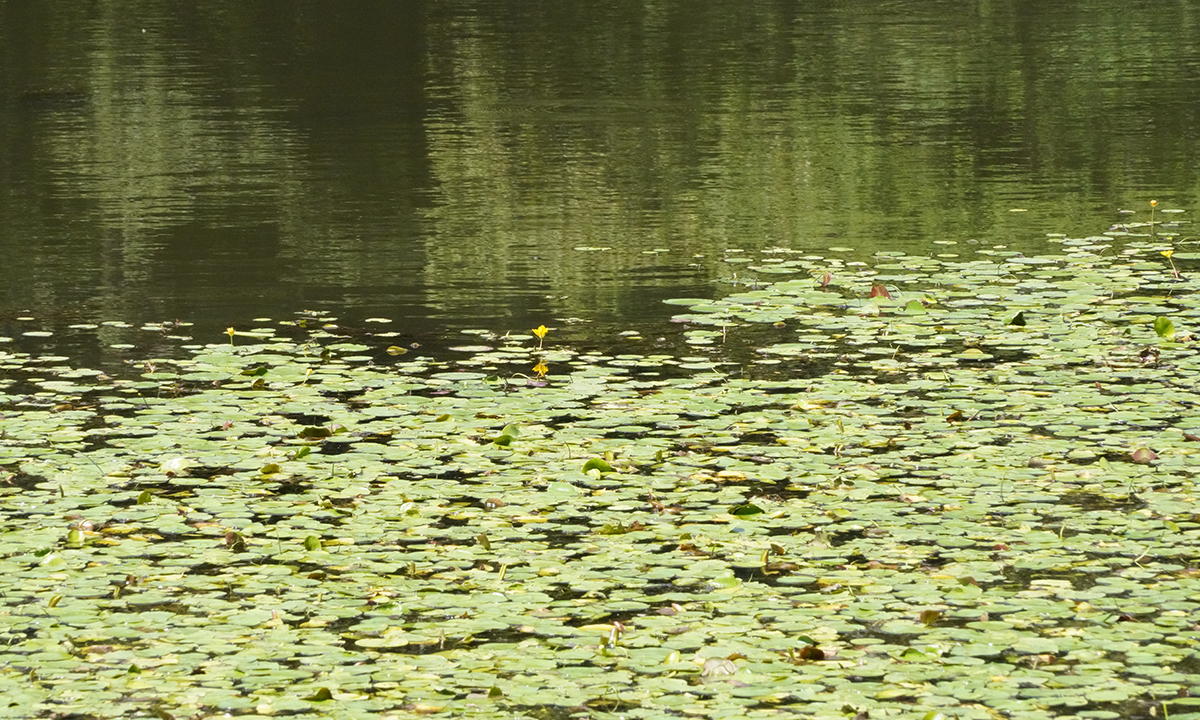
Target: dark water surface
point(498, 165)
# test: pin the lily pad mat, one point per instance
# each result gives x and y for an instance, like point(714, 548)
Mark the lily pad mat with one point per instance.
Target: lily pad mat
point(973, 494)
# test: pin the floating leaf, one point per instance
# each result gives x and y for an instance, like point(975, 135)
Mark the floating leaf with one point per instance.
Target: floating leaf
point(618, 528)
point(878, 290)
point(597, 465)
point(717, 668)
point(1164, 327)
point(1018, 320)
point(235, 541)
point(1144, 456)
point(176, 465)
point(811, 653)
point(746, 510)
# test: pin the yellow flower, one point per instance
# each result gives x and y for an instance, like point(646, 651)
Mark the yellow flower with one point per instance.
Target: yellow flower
point(541, 369)
point(1167, 253)
point(229, 332)
point(1153, 203)
point(540, 331)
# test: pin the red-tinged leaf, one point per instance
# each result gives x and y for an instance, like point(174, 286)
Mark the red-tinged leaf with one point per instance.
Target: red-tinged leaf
point(1191, 437)
point(1144, 456)
point(235, 541)
point(811, 652)
point(826, 279)
point(878, 290)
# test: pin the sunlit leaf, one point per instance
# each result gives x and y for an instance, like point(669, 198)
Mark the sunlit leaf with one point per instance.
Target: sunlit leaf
point(1164, 327)
point(597, 465)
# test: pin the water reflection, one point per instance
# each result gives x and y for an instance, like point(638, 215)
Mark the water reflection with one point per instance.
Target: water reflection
point(483, 164)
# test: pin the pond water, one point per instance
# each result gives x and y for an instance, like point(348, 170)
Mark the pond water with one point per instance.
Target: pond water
point(846, 407)
point(455, 165)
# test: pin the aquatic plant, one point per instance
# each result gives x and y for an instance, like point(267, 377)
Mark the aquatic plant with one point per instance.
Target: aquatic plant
point(890, 513)
point(1174, 270)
